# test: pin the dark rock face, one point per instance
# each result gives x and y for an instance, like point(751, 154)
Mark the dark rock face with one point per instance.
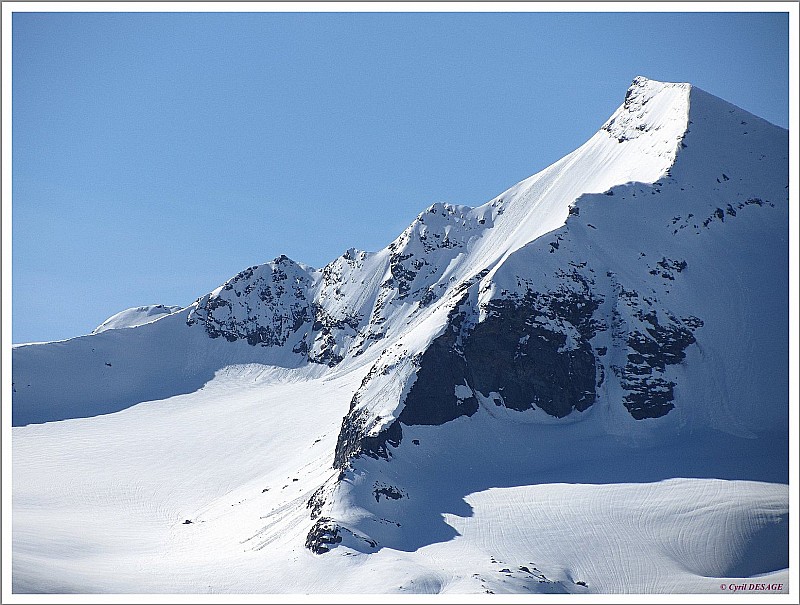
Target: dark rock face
point(517, 353)
point(263, 305)
point(650, 350)
point(323, 536)
point(432, 399)
point(535, 351)
point(354, 441)
point(520, 351)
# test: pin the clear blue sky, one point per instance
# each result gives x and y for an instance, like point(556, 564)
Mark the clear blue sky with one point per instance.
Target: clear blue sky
point(156, 155)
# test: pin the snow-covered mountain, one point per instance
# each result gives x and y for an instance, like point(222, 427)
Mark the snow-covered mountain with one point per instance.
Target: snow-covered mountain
point(580, 386)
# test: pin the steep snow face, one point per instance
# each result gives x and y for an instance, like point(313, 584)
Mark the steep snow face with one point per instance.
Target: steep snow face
point(651, 123)
point(135, 316)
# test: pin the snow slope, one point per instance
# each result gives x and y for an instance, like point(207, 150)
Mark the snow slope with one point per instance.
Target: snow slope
point(579, 386)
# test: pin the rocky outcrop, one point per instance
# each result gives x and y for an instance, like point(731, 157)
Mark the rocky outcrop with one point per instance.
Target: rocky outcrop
point(355, 438)
point(263, 305)
point(651, 346)
point(324, 534)
point(529, 352)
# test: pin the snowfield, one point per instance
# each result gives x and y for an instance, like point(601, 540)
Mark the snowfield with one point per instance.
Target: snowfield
point(578, 387)
point(241, 457)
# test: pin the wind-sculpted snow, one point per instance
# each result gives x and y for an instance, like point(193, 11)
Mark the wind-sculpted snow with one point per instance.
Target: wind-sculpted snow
point(135, 316)
point(579, 386)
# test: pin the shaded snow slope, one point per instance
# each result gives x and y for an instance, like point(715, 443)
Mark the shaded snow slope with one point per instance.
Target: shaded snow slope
point(115, 369)
point(579, 386)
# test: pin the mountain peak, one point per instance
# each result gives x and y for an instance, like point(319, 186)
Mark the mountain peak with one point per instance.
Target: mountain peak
point(651, 106)
point(613, 325)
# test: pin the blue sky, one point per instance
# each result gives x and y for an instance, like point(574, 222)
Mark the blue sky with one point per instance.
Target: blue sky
point(156, 155)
